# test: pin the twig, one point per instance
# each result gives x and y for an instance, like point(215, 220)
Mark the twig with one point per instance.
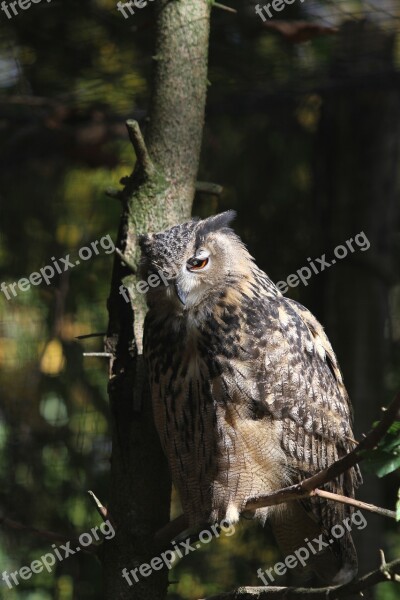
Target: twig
point(142, 154)
point(114, 193)
point(223, 7)
point(89, 335)
point(101, 509)
point(297, 32)
point(47, 535)
point(327, 593)
point(170, 530)
point(125, 260)
point(353, 502)
point(98, 354)
point(209, 188)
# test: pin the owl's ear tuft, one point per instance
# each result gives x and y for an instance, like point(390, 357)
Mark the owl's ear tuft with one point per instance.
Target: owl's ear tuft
point(215, 223)
point(219, 221)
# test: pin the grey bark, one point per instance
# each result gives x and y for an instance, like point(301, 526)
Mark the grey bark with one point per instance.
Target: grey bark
point(158, 194)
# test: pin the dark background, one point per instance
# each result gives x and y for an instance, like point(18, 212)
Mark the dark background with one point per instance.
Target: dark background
point(303, 132)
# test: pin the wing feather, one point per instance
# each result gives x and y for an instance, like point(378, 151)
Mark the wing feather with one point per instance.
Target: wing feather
point(311, 401)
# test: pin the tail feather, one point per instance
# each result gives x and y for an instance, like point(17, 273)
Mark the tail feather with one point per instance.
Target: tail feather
point(333, 561)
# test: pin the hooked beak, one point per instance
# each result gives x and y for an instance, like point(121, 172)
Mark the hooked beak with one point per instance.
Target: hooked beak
point(180, 293)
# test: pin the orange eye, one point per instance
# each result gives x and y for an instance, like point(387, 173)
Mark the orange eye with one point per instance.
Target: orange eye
point(196, 264)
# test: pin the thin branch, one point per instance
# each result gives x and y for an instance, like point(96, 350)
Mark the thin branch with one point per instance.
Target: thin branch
point(125, 260)
point(89, 335)
point(101, 509)
point(224, 7)
point(209, 188)
point(47, 535)
point(142, 154)
point(299, 31)
point(43, 533)
point(170, 530)
point(390, 571)
point(114, 193)
point(30, 100)
point(384, 512)
point(98, 354)
point(385, 568)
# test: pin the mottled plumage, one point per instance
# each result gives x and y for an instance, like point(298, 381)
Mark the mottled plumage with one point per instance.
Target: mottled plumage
point(247, 393)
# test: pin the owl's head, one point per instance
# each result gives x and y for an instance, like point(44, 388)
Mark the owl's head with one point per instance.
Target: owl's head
point(199, 259)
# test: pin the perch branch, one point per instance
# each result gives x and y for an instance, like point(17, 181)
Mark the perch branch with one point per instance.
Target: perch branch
point(306, 487)
point(311, 484)
point(390, 571)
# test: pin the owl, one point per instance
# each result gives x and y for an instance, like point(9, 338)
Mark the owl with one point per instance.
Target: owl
point(246, 390)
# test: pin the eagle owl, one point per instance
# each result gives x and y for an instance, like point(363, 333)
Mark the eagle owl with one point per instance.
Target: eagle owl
point(246, 390)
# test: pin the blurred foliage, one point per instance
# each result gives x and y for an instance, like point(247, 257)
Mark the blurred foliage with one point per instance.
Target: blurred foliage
point(70, 74)
point(385, 458)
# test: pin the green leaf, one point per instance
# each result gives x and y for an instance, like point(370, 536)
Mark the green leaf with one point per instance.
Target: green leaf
point(382, 463)
point(394, 428)
point(390, 445)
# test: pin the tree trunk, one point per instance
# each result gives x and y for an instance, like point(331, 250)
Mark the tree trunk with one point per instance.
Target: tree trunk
point(159, 193)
